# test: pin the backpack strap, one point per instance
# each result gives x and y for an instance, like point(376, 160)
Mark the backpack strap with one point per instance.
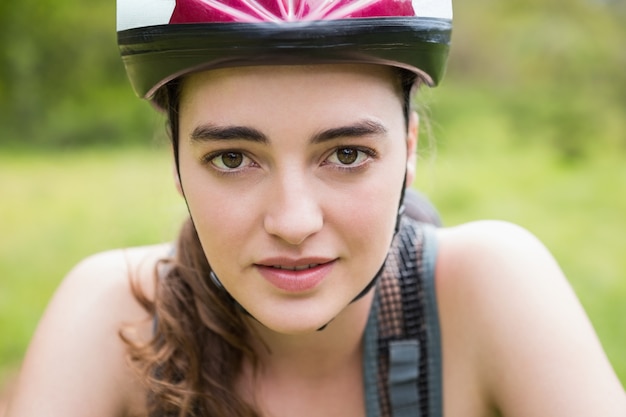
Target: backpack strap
point(403, 376)
point(433, 361)
point(409, 348)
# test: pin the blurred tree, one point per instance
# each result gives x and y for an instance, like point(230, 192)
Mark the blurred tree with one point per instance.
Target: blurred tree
point(556, 63)
point(557, 66)
point(61, 79)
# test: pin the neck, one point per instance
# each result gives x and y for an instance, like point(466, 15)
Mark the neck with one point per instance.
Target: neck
point(318, 354)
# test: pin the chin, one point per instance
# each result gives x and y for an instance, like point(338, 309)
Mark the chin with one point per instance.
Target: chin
point(295, 323)
point(296, 329)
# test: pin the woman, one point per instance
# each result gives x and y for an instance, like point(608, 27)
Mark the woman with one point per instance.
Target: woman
point(297, 287)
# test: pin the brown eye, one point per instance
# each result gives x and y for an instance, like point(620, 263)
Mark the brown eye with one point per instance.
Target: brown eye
point(350, 157)
point(347, 156)
point(231, 159)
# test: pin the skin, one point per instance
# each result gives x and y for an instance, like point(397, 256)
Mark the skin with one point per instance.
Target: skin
point(291, 201)
point(515, 339)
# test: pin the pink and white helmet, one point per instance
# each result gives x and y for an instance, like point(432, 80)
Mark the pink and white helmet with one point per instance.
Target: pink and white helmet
point(161, 40)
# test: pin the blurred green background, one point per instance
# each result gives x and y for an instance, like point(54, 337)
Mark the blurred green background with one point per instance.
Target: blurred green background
point(529, 126)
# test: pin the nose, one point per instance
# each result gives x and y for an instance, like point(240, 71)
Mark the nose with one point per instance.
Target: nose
point(293, 211)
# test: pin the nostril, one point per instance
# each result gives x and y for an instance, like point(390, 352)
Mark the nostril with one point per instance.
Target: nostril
point(294, 225)
point(293, 211)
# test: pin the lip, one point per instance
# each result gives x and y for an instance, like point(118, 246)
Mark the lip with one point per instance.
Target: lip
point(295, 275)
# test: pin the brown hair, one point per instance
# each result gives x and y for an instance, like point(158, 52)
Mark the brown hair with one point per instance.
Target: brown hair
point(191, 364)
point(200, 339)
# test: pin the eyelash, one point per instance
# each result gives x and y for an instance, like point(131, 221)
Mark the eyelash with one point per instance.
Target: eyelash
point(368, 152)
point(209, 158)
point(369, 155)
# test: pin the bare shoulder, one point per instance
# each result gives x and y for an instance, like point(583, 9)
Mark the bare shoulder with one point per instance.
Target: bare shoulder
point(509, 312)
point(100, 286)
point(76, 362)
point(114, 270)
point(493, 258)
point(493, 237)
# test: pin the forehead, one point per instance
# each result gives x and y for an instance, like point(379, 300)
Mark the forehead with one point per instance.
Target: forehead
point(319, 77)
point(289, 85)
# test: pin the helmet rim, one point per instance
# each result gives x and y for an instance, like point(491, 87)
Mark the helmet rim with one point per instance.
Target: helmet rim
point(155, 55)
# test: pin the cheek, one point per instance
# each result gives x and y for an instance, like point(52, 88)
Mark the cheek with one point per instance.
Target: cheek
point(221, 215)
point(224, 225)
point(369, 212)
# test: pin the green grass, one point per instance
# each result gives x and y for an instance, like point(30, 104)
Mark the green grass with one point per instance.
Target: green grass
point(578, 212)
point(569, 194)
point(60, 207)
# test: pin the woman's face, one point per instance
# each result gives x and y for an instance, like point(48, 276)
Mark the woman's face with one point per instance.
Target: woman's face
point(293, 177)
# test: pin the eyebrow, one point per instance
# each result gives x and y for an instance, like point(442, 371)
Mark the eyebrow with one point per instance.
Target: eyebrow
point(209, 132)
point(358, 129)
point(206, 133)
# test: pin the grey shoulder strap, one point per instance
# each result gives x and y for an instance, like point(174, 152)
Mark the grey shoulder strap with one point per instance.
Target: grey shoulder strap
point(407, 329)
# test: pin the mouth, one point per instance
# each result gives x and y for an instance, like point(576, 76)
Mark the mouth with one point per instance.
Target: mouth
point(296, 276)
point(295, 268)
point(294, 264)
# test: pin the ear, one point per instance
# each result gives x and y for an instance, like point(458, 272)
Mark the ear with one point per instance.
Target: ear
point(411, 144)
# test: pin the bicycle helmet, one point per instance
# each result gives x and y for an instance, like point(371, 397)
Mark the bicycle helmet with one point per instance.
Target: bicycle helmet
point(161, 40)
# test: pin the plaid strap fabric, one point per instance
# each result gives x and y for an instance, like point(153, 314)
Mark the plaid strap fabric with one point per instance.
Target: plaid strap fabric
point(404, 331)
